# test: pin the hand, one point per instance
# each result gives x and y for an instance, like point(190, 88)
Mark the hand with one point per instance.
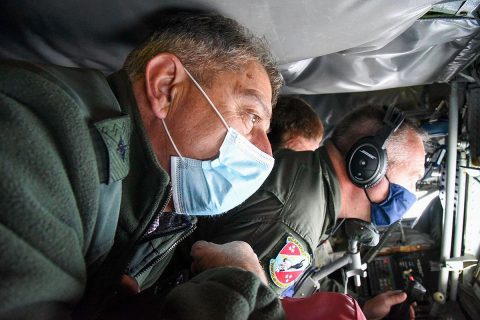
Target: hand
point(411, 311)
point(379, 306)
point(208, 255)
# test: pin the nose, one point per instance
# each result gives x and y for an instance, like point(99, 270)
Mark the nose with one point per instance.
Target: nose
point(260, 140)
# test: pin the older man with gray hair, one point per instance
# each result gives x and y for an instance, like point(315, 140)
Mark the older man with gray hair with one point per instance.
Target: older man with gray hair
point(101, 178)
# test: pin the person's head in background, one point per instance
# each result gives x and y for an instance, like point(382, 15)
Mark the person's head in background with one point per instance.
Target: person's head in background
point(295, 125)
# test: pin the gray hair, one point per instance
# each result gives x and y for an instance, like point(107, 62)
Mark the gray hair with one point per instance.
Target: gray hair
point(206, 44)
point(367, 121)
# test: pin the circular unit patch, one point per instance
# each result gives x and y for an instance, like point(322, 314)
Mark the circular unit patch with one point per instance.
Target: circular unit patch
point(289, 264)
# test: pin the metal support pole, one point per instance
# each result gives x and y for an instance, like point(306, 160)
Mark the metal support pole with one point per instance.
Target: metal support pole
point(332, 267)
point(310, 284)
point(450, 196)
point(356, 263)
point(459, 216)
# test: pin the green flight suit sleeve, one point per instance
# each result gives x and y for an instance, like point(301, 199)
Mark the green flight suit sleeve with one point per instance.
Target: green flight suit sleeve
point(223, 293)
point(42, 234)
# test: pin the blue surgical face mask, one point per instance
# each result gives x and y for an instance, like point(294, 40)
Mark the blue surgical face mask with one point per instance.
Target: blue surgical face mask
point(210, 187)
point(397, 203)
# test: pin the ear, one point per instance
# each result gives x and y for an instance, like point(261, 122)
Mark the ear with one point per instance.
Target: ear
point(162, 73)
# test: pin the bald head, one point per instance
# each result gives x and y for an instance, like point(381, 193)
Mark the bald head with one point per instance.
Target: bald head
point(407, 154)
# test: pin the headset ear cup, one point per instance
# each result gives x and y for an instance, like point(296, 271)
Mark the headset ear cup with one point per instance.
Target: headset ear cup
point(367, 159)
point(383, 168)
point(366, 162)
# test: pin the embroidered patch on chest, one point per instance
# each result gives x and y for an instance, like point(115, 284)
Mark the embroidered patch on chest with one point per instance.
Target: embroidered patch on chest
point(289, 263)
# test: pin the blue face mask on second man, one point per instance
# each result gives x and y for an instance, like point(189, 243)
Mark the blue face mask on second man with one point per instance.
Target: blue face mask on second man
point(394, 207)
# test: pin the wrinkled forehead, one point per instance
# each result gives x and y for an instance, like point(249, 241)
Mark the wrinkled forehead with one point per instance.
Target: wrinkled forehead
point(255, 76)
point(252, 83)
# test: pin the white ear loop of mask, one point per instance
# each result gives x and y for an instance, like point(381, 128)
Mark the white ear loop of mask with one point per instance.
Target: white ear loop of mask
point(209, 101)
point(171, 140)
point(206, 97)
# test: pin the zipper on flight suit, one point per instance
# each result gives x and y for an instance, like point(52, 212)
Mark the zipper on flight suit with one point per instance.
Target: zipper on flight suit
point(160, 257)
point(150, 234)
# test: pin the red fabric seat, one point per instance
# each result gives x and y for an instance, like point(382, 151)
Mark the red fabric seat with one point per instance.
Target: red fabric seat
point(323, 305)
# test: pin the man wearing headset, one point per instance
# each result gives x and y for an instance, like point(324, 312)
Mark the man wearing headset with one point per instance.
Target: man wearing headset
point(351, 176)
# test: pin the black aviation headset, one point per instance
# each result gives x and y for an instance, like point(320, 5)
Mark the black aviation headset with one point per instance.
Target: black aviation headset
point(367, 159)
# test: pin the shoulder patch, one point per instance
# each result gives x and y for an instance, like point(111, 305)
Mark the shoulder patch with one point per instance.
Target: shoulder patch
point(289, 264)
point(115, 133)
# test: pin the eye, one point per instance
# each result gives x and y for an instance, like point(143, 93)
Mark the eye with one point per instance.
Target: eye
point(251, 120)
point(254, 118)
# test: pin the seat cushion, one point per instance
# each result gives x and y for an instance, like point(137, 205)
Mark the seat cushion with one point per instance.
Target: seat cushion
point(323, 305)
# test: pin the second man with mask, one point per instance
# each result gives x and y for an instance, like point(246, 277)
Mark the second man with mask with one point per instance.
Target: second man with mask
point(299, 203)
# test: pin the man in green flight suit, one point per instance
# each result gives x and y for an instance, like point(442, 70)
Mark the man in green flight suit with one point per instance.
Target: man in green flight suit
point(298, 205)
point(101, 178)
